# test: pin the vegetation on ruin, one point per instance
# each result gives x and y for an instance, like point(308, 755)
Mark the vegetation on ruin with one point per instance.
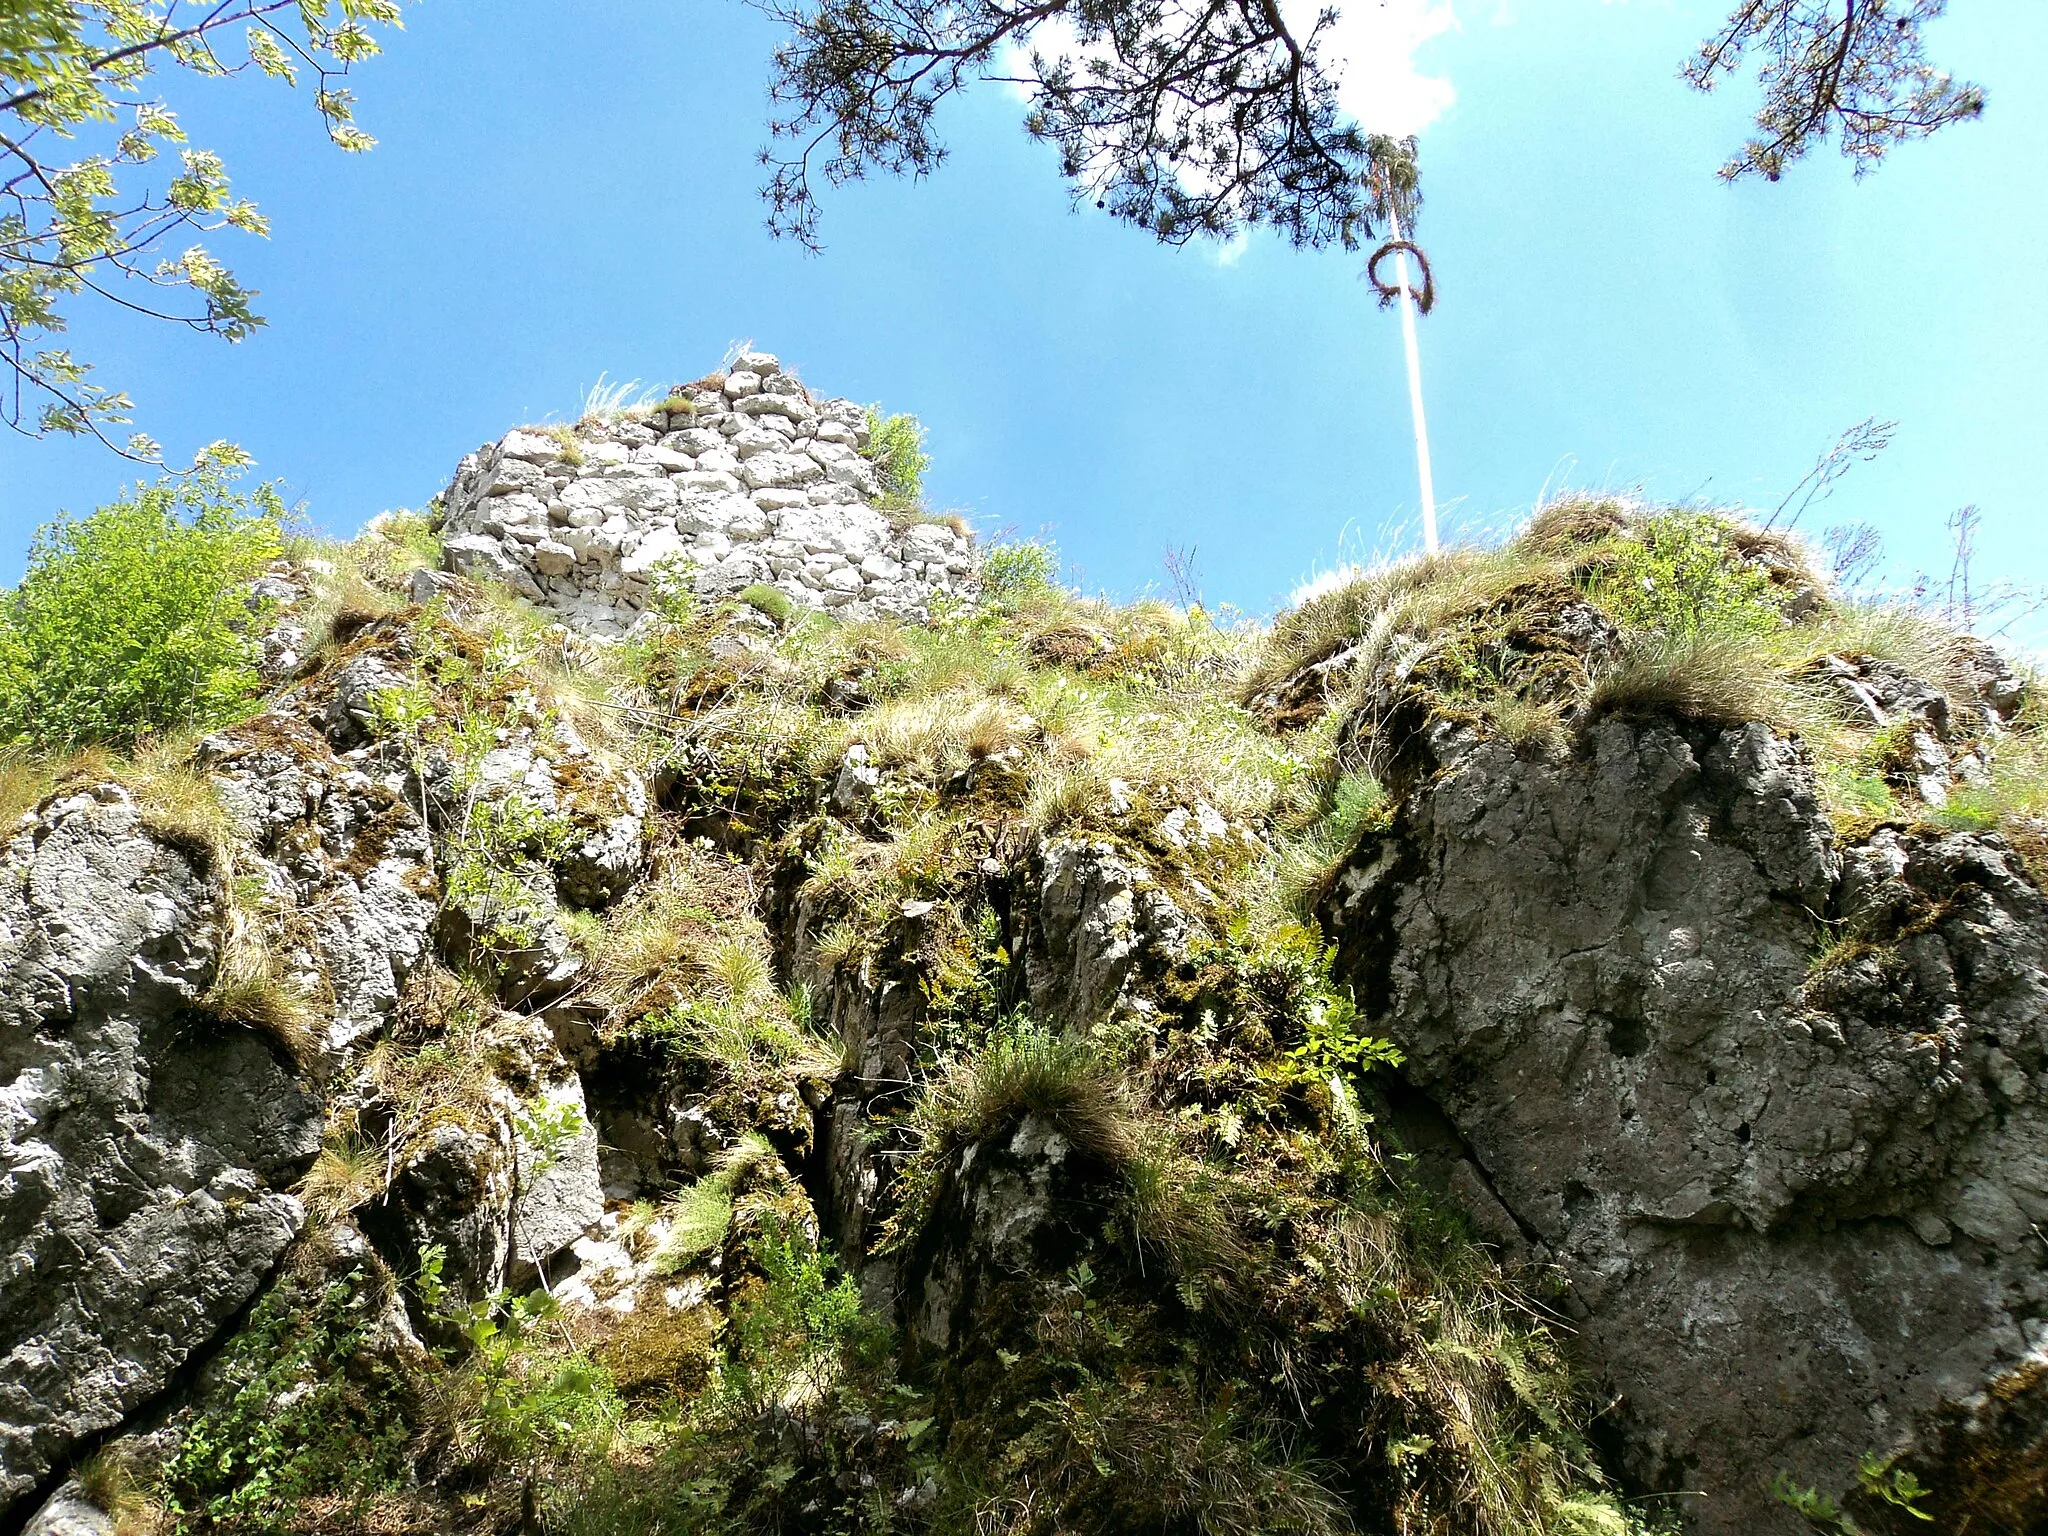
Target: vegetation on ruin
point(1259, 1323)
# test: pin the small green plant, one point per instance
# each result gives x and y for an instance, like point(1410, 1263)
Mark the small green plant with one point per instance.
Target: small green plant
point(135, 619)
point(1969, 810)
point(571, 448)
point(1334, 1045)
point(1681, 574)
point(547, 1127)
point(896, 448)
point(497, 842)
point(516, 1399)
point(1891, 1484)
point(1851, 793)
point(1013, 574)
point(772, 601)
point(784, 1341)
point(302, 1410)
point(1878, 1479)
point(672, 589)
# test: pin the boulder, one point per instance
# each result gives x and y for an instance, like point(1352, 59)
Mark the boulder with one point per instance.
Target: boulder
point(147, 1148)
point(1798, 1193)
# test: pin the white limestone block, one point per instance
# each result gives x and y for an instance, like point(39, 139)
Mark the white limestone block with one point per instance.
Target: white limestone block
point(708, 480)
point(533, 447)
point(778, 469)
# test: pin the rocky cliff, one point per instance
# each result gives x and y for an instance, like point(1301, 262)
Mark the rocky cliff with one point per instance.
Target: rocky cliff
point(1482, 1054)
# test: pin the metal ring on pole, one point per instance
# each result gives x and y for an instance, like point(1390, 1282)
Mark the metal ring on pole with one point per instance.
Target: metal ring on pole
point(1388, 292)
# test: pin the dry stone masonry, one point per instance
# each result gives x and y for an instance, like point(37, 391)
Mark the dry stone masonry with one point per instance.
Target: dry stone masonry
point(753, 481)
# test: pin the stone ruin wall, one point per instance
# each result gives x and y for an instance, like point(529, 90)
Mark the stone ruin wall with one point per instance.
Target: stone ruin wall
point(758, 481)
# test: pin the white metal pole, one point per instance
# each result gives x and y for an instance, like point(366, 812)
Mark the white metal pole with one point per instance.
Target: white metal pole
point(1414, 385)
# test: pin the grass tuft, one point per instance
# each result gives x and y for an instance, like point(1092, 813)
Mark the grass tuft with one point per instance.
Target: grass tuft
point(1717, 679)
point(1021, 1070)
point(349, 1172)
point(1309, 864)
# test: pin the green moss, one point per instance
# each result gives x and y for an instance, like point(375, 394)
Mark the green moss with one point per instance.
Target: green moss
point(775, 603)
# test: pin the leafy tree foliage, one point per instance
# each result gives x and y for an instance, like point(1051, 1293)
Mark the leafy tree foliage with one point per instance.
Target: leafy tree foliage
point(135, 618)
point(1854, 67)
point(1185, 117)
point(80, 74)
point(1207, 117)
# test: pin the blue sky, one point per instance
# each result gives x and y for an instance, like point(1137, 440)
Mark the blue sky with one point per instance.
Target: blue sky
point(566, 191)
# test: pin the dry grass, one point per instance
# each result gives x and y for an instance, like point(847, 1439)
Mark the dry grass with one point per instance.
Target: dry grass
point(1067, 800)
point(1923, 647)
point(1160, 1460)
point(1184, 1212)
point(353, 584)
point(1401, 601)
point(437, 1067)
point(1029, 1071)
point(666, 927)
point(25, 782)
point(1715, 679)
point(1576, 520)
point(177, 802)
point(1477, 1368)
point(349, 1172)
point(248, 993)
point(107, 1480)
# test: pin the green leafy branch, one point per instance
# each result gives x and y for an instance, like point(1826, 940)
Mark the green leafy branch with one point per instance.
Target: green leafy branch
point(69, 227)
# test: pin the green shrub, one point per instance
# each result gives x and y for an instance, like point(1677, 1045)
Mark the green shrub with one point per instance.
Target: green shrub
point(134, 619)
point(1681, 575)
point(1014, 574)
point(896, 448)
point(302, 1410)
point(784, 1340)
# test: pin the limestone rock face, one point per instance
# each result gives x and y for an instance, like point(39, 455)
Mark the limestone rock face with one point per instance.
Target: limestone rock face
point(749, 479)
point(69, 1513)
point(1799, 1201)
point(146, 1150)
point(343, 860)
point(1007, 1212)
point(1094, 915)
point(505, 1188)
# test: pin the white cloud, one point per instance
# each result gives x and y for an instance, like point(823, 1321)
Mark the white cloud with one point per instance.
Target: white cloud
point(1231, 251)
point(1371, 50)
